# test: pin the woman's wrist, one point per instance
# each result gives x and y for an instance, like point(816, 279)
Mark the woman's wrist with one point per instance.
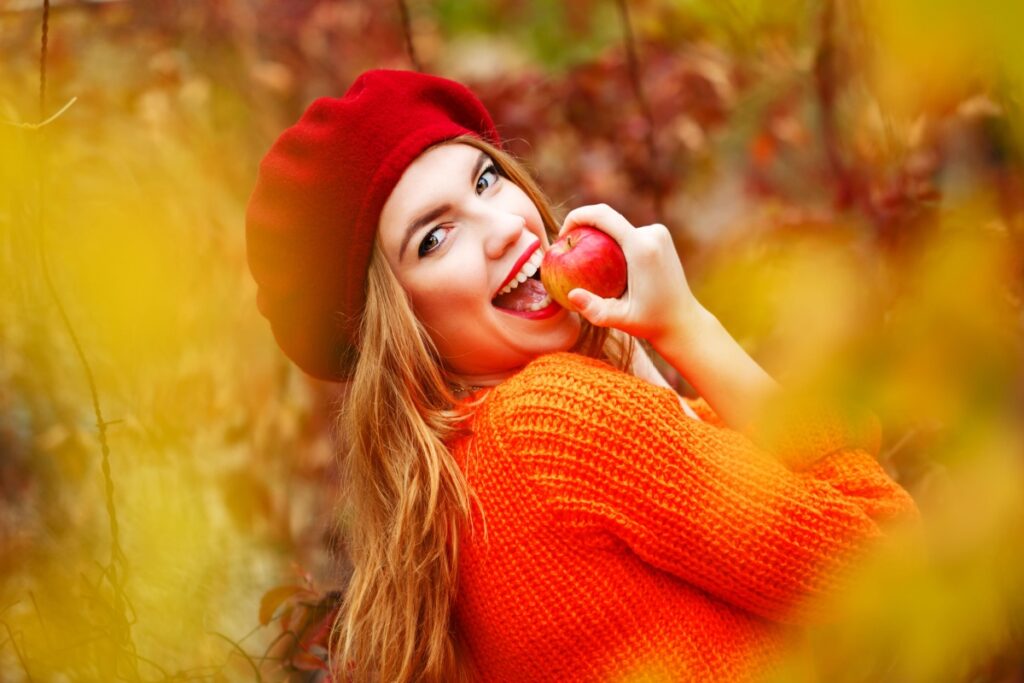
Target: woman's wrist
point(699, 347)
point(684, 332)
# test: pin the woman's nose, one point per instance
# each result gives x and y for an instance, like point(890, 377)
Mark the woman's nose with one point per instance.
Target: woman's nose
point(503, 231)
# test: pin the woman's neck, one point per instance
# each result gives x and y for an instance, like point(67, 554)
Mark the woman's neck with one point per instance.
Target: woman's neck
point(472, 382)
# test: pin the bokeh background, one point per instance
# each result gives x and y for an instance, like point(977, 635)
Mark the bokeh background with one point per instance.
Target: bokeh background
point(844, 182)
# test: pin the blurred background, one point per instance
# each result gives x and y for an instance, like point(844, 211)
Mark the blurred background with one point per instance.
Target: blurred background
point(844, 182)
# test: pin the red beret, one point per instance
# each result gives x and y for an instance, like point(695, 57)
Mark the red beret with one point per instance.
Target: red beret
point(313, 214)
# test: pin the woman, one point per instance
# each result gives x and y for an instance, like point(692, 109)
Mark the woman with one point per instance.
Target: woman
point(526, 498)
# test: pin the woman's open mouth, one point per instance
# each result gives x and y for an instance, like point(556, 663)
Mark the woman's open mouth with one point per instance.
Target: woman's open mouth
point(523, 294)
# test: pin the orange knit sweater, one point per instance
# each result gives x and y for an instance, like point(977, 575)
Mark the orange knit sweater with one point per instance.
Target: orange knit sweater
point(627, 541)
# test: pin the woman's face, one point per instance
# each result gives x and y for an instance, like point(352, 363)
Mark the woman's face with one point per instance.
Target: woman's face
point(456, 234)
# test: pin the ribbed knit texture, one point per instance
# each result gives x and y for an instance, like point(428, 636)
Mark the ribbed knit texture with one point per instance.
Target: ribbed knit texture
point(627, 541)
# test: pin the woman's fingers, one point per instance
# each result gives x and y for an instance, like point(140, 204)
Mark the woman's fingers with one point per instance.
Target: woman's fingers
point(600, 216)
point(657, 293)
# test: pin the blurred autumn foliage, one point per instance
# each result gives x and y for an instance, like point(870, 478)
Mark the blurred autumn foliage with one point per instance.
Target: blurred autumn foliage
point(845, 183)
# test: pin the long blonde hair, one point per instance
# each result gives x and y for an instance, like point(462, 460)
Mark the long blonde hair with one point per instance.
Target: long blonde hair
point(406, 499)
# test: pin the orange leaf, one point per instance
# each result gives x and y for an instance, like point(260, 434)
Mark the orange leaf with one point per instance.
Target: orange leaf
point(273, 598)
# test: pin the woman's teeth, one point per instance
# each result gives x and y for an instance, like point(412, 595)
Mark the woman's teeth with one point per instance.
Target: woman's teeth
point(525, 273)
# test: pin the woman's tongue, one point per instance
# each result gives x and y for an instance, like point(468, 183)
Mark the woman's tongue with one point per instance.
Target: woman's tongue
point(522, 297)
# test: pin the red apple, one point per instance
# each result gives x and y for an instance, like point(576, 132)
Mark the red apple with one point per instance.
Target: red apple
point(587, 258)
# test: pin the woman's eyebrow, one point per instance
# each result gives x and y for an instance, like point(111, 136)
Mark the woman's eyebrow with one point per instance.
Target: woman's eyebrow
point(480, 161)
point(437, 211)
point(429, 216)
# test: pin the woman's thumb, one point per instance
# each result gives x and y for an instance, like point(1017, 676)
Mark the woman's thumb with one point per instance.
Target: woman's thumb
point(597, 310)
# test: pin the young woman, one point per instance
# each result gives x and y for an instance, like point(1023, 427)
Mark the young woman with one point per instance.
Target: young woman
point(527, 500)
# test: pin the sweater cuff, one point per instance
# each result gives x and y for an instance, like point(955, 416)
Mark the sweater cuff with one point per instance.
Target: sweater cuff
point(800, 437)
point(704, 411)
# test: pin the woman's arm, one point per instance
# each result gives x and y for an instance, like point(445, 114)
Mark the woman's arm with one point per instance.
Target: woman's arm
point(721, 371)
point(612, 455)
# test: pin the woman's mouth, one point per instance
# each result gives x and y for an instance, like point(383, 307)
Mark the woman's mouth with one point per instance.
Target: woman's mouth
point(523, 293)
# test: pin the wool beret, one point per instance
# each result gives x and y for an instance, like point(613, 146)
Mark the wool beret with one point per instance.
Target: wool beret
point(313, 214)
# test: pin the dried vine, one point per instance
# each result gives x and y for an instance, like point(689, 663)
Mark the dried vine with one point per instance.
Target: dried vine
point(850, 185)
point(42, 60)
point(116, 569)
point(410, 47)
point(645, 108)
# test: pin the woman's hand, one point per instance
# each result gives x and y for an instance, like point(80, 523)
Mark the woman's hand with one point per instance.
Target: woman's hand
point(658, 303)
point(659, 306)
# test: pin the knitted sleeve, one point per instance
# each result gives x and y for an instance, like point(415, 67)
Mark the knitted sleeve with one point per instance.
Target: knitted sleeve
point(613, 455)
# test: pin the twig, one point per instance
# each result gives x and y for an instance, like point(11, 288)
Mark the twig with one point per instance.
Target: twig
point(277, 639)
point(9, 606)
point(37, 126)
point(17, 651)
point(645, 107)
point(248, 635)
point(825, 88)
point(407, 29)
point(242, 652)
point(146, 660)
point(21, 6)
point(117, 558)
point(849, 184)
point(42, 59)
point(39, 615)
point(116, 554)
point(907, 437)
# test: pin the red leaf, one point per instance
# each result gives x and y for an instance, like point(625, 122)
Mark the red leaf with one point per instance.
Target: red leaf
point(304, 661)
point(321, 633)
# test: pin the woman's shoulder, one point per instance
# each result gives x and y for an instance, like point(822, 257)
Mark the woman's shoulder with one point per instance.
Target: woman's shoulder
point(558, 379)
point(562, 368)
point(566, 363)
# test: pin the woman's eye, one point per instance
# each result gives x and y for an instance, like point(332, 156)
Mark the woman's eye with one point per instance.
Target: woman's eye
point(432, 240)
point(487, 178)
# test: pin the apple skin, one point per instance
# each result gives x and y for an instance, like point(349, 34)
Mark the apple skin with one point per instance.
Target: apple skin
point(587, 258)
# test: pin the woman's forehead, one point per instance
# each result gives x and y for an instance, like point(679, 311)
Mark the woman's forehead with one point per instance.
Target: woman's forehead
point(432, 166)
